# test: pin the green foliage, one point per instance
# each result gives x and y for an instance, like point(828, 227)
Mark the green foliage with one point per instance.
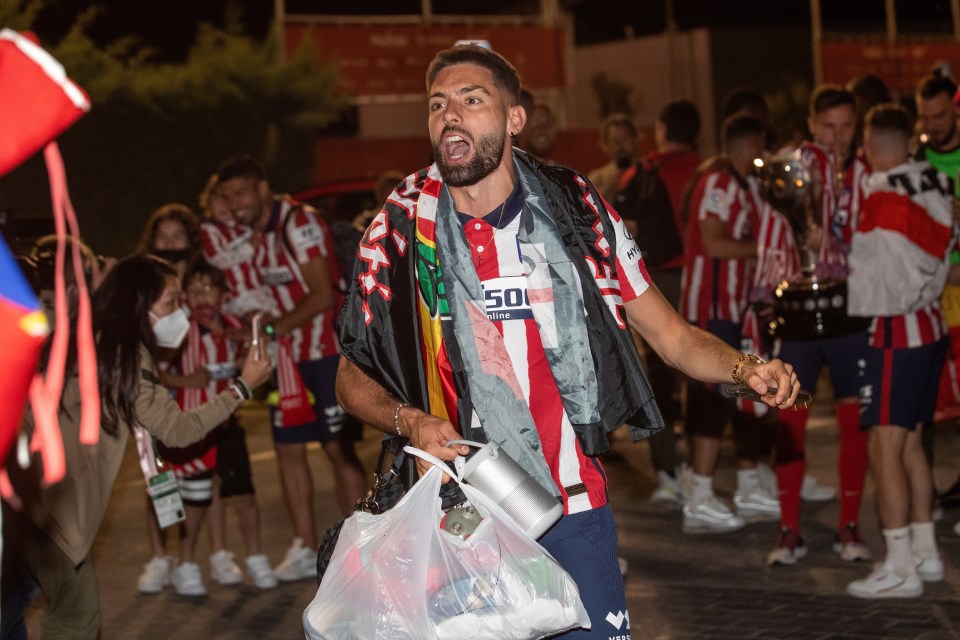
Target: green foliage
point(613, 96)
point(156, 131)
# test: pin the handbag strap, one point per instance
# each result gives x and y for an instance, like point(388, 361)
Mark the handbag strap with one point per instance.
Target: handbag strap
point(435, 461)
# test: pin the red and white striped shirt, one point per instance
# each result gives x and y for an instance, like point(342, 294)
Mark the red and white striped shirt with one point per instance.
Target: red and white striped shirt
point(841, 198)
point(717, 288)
point(899, 258)
point(278, 264)
point(217, 353)
point(503, 278)
point(228, 248)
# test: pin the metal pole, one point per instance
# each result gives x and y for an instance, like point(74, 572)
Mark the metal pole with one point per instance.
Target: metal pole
point(279, 22)
point(816, 33)
point(955, 14)
point(891, 12)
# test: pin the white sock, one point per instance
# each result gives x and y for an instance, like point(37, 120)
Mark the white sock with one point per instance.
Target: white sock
point(899, 554)
point(922, 540)
point(702, 487)
point(747, 480)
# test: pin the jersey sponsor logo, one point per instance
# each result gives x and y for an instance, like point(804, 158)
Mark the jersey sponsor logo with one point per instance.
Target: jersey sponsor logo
point(221, 370)
point(506, 298)
point(274, 276)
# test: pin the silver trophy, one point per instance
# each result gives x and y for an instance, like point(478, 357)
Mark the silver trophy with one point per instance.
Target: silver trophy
point(801, 183)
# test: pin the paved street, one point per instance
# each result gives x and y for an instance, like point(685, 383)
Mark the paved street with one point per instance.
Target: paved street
point(678, 586)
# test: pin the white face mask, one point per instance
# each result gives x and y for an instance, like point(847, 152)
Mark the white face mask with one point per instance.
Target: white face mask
point(171, 329)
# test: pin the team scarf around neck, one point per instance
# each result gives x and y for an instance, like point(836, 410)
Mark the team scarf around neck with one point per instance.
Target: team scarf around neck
point(453, 311)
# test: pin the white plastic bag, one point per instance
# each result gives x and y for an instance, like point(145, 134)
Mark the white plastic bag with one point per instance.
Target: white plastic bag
point(398, 575)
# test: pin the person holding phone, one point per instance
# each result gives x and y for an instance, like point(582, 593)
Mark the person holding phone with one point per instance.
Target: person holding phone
point(48, 537)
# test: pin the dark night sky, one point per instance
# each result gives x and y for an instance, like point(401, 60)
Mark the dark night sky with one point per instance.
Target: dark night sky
point(170, 25)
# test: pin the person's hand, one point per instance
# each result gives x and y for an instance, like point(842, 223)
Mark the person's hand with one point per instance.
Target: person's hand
point(814, 237)
point(953, 276)
point(775, 374)
point(256, 367)
point(198, 379)
point(431, 434)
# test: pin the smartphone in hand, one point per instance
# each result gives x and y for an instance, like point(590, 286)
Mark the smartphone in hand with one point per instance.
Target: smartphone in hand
point(255, 330)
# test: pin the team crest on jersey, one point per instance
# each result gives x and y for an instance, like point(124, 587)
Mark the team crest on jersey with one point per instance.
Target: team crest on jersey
point(717, 199)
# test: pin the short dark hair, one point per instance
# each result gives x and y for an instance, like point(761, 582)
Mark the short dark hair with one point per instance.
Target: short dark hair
point(933, 85)
point(241, 167)
point(890, 118)
point(681, 119)
point(505, 76)
point(198, 266)
point(742, 98)
point(870, 90)
point(617, 120)
point(829, 96)
point(740, 126)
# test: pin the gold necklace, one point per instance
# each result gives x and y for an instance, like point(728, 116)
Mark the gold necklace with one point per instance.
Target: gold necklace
point(480, 248)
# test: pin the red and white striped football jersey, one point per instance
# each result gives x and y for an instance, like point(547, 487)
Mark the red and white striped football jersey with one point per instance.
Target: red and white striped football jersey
point(717, 288)
point(278, 265)
point(229, 248)
point(218, 353)
point(502, 273)
point(840, 201)
point(899, 258)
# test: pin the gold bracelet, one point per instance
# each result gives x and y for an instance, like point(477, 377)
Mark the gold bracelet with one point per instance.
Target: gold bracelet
point(396, 417)
point(737, 373)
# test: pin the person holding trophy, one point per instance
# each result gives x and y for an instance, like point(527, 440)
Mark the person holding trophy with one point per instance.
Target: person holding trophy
point(800, 289)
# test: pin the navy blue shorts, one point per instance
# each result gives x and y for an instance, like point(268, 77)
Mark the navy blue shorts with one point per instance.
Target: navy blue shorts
point(332, 423)
point(841, 354)
point(585, 544)
point(899, 386)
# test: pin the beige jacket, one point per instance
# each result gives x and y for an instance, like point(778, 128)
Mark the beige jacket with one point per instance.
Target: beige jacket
point(72, 510)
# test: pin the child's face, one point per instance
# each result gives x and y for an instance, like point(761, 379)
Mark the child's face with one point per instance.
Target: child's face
point(203, 293)
point(219, 209)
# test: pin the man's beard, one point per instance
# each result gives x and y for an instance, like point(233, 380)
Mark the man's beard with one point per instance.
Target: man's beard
point(942, 141)
point(487, 154)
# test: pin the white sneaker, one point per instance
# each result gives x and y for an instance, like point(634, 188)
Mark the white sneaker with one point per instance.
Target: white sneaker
point(156, 575)
point(813, 491)
point(223, 569)
point(710, 516)
point(788, 550)
point(884, 582)
point(768, 478)
point(187, 580)
point(757, 504)
point(930, 569)
point(668, 490)
point(259, 569)
point(300, 563)
point(850, 545)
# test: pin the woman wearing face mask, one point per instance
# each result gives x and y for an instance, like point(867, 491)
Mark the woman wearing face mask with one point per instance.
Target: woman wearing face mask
point(172, 233)
point(47, 542)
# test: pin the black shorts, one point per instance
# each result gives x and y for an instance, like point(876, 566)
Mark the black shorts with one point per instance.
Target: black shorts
point(332, 422)
point(233, 463)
